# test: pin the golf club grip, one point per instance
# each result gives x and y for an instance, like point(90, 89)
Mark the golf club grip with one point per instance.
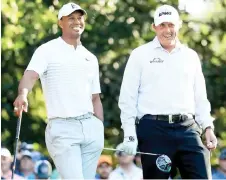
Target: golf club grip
point(18, 126)
point(16, 145)
point(152, 154)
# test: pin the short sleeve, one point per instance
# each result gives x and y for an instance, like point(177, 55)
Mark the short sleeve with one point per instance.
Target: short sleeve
point(38, 61)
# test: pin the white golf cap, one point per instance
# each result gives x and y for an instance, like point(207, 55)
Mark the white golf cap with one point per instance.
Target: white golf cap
point(69, 8)
point(5, 152)
point(166, 13)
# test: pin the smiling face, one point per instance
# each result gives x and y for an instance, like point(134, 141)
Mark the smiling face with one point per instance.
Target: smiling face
point(72, 25)
point(167, 34)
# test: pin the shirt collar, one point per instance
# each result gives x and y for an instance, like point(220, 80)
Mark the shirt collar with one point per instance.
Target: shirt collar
point(68, 45)
point(158, 45)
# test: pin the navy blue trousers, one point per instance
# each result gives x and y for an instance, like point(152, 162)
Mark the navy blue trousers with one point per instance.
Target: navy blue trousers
point(180, 141)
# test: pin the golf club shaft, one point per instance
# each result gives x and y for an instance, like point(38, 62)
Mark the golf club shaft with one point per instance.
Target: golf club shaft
point(152, 154)
point(16, 145)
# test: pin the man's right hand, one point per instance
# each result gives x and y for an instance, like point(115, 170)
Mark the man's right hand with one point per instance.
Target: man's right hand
point(20, 104)
point(129, 145)
point(130, 142)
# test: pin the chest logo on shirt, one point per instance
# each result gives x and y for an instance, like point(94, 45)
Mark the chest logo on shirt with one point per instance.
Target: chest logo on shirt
point(157, 60)
point(87, 59)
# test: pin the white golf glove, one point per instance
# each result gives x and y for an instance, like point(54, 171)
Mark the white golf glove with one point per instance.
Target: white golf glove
point(129, 145)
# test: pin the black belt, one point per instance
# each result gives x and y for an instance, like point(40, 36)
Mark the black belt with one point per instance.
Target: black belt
point(170, 118)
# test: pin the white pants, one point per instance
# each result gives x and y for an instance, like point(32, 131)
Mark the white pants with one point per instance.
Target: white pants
point(75, 145)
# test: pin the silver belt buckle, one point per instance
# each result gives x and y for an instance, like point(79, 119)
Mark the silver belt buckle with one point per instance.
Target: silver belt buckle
point(170, 119)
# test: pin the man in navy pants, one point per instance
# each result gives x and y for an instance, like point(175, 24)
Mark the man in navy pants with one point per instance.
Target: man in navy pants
point(164, 87)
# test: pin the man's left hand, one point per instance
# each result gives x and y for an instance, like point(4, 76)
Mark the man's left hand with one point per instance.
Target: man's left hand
point(211, 140)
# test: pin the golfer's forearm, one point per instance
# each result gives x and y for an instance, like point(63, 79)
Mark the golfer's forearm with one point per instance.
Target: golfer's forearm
point(98, 111)
point(98, 108)
point(27, 82)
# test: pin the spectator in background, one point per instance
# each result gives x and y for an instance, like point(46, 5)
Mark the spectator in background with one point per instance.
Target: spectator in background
point(6, 161)
point(104, 167)
point(126, 169)
point(26, 146)
point(43, 169)
point(220, 173)
point(26, 168)
point(36, 156)
point(22, 148)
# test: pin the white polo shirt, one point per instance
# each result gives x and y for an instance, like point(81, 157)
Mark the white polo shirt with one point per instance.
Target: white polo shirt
point(120, 174)
point(69, 77)
point(158, 82)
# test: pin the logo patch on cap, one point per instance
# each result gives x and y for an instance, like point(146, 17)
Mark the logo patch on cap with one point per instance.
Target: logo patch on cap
point(73, 6)
point(164, 13)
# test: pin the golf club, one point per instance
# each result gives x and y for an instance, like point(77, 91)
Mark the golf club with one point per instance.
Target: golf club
point(163, 162)
point(16, 145)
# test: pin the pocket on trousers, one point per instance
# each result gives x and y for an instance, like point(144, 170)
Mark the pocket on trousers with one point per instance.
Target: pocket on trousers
point(48, 133)
point(98, 132)
point(99, 121)
point(197, 128)
point(51, 130)
point(48, 139)
point(144, 128)
point(138, 126)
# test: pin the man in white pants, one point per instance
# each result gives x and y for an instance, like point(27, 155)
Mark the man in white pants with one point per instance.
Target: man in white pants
point(69, 75)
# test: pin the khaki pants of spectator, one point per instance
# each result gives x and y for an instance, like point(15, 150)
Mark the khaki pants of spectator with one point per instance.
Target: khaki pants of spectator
point(75, 145)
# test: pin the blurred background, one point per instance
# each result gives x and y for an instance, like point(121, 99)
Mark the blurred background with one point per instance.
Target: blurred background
point(113, 29)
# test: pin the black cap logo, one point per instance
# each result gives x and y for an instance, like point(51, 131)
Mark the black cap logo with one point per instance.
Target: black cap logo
point(156, 60)
point(73, 6)
point(164, 13)
point(131, 138)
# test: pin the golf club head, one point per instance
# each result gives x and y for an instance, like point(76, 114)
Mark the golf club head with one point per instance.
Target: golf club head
point(164, 163)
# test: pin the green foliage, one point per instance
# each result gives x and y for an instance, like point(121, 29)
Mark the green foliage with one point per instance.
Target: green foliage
point(113, 29)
